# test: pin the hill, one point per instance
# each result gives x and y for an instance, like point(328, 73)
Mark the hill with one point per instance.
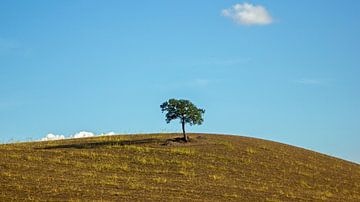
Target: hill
point(158, 167)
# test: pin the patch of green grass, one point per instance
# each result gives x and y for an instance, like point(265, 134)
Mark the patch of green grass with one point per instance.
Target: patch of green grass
point(160, 179)
point(187, 173)
point(304, 184)
point(227, 144)
point(181, 163)
point(140, 149)
point(182, 151)
point(250, 150)
point(152, 160)
point(216, 177)
point(232, 196)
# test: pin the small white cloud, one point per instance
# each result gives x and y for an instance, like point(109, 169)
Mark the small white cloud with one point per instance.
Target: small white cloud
point(107, 134)
point(51, 136)
point(248, 14)
point(82, 134)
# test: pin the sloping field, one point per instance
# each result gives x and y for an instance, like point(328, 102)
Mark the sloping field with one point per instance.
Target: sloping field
point(147, 167)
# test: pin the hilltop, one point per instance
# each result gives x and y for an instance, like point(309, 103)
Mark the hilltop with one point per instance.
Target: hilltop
point(158, 167)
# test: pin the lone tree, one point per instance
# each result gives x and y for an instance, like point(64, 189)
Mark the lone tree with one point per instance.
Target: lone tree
point(184, 110)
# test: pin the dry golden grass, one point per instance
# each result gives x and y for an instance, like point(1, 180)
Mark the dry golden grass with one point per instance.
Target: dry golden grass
point(140, 167)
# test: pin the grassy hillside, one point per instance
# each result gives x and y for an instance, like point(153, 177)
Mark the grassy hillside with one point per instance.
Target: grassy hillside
point(138, 167)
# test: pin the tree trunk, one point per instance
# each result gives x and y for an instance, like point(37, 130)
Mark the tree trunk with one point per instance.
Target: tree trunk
point(183, 129)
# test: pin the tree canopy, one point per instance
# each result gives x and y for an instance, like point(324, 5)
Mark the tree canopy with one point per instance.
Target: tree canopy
point(185, 111)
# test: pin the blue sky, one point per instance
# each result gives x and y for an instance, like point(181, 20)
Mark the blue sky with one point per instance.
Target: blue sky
point(289, 72)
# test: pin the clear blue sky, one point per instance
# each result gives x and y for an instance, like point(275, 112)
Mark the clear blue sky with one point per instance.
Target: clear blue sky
point(99, 66)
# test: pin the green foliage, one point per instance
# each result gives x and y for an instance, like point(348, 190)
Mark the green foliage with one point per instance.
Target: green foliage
point(184, 110)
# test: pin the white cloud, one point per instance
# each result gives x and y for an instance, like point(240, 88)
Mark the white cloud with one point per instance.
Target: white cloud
point(248, 14)
point(107, 134)
point(51, 136)
point(82, 134)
